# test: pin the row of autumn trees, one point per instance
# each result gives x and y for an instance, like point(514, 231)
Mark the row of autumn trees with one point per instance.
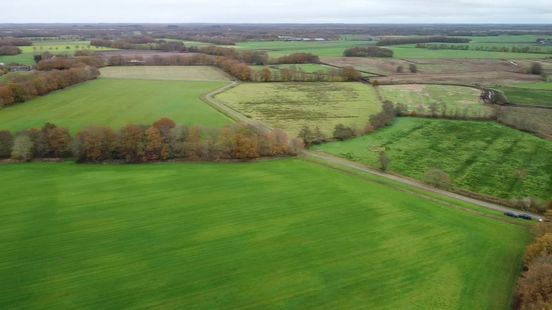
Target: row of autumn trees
point(534, 288)
point(23, 87)
point(239, 69)
point(9, 45)
point(161, 141)
point(311, 136)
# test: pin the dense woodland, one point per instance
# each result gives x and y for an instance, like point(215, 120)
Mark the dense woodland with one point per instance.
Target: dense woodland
point(161, 141)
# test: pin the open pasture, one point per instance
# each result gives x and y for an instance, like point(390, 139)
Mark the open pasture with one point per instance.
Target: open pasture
point(290, 106)
point(115, 103)
point(531, 95)
point(381, 66)
point(481, 157)
point(448, 100)
point(277, 234)
point(177, 73)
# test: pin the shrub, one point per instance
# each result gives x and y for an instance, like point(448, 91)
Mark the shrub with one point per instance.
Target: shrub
point(9, 50)
point(22, 148)
point(438, 178)
point(342, 132)
point(6, 143)
point(370, 51)
point(536, 68)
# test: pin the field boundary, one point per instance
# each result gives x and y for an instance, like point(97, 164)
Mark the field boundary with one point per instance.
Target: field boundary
point(407, 181)
point(333, 160)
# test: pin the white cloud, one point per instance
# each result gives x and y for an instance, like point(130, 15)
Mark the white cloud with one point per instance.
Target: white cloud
point(266, 11)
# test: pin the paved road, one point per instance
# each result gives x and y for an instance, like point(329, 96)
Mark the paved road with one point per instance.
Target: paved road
point(334, 160)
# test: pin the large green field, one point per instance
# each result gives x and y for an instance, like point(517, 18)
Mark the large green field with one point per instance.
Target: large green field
point(290, 106)
point(320, 48)
point(117, 102)
point(481, 157)
point(451, 100)
point(54, 47)
point(411, 52)
point(183, 73)
point(277, 234)
point(529, 93)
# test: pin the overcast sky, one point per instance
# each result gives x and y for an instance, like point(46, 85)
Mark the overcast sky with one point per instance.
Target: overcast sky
point(274, 11)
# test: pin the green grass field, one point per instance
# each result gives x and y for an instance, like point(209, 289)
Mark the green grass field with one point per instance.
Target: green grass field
point(539, 85)
point(277, 234)
point(411, 52)
point(450, 99)
point(320, 48)
point(482, 157)
point(290, 106)
point(54, 47)
point(184, 73)
point(528, 95)
point(508, 39)
point(309, 68)
point(117, 102)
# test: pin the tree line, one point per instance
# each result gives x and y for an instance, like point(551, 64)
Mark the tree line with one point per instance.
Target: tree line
point(414, 40)
point(9, 45)
point(11, 41)
point(534, 287)
point(161, 141)
point(21, 88)
point(237, 68)
point(370, 51)
point(341, 132)
point(9, 50)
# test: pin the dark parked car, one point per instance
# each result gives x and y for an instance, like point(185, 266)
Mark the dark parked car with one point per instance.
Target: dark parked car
point(525, 217)
point(510, 214)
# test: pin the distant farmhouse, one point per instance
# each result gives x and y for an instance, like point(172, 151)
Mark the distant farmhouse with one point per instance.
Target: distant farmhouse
point(544, 41)
point(20, 68)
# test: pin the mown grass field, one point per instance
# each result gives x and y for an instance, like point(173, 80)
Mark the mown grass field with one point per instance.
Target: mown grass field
point(309, 68)
point(115, 103)
point(277, 234)
point(539, 118)
point(54, 47)
point(482, 157)
point(320, 48)
point(184, 73)
point(452, 100)
point(527, 96)
point(290, 106)
point(411, 52)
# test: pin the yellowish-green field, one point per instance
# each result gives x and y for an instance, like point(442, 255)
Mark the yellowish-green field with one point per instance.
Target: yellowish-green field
point(116, 103)
point(451, 100)
point(179, 73)
point(290, 106)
